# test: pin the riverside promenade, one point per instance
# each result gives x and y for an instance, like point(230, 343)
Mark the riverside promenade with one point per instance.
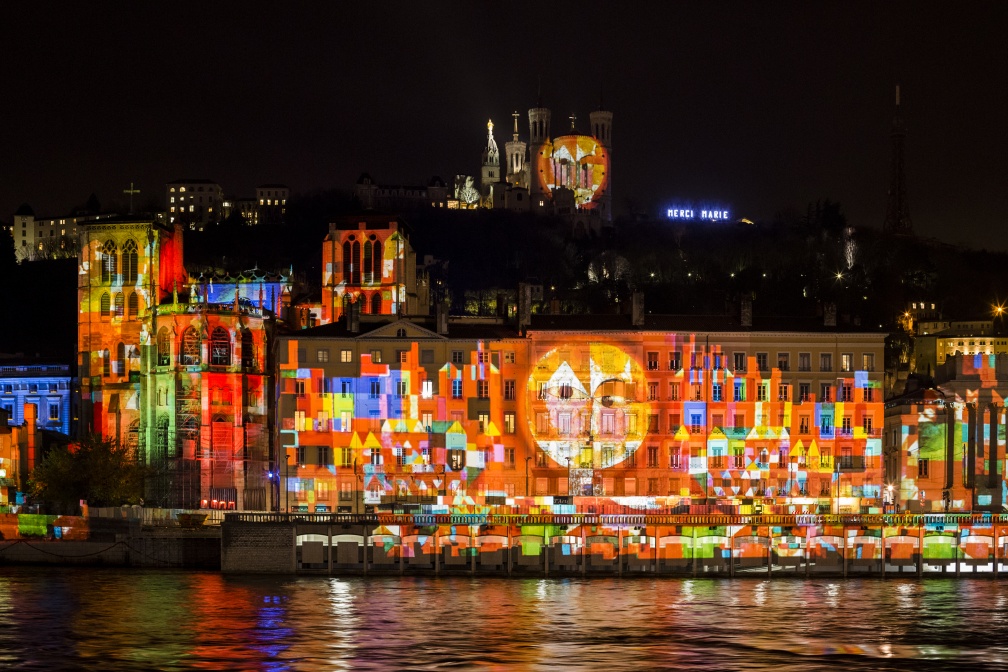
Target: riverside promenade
point(625, 545)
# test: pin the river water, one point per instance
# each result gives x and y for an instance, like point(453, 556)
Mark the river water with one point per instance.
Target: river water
point(105, 619)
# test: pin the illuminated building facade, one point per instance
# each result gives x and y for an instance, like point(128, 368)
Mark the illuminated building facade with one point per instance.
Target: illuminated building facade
point(271, 205)
point(47, 237)
point(369, 268)
point(945, 438)
point(194, 203)
point(203, 394)
point(398, 198)
point(741, 419)
point(47, 386)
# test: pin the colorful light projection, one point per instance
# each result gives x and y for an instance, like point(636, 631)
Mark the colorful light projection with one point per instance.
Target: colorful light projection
point(576, 162)
point(593, 415)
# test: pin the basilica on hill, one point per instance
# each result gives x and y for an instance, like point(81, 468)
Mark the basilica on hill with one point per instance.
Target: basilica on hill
point(568, 174)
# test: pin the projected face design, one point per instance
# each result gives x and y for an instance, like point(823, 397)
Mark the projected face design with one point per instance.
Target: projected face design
point(579, 163)
point(585, 404)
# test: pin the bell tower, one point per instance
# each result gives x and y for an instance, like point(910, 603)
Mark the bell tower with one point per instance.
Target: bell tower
point(515, 151)
point(491, 162)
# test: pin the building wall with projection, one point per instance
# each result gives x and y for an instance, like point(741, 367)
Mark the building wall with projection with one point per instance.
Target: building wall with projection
point(399, 413)
point(124, 267)
point(739, 419)
point(368, 264)
point(945, 438)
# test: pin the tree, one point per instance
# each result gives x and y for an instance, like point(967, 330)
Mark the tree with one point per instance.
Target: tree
point(102, 471)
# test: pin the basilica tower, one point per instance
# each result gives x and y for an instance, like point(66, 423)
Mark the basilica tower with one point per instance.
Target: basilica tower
point(539, 147)
point(515, 151)
point(491, 163)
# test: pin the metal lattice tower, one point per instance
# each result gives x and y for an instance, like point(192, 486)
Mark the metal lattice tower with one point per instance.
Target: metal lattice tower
point(897, 218)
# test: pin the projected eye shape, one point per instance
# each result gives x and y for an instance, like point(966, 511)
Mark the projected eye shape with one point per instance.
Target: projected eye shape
point(584, 405)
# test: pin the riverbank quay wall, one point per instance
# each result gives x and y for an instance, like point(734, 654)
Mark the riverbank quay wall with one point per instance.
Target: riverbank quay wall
point(40, 539)
point(616, 545)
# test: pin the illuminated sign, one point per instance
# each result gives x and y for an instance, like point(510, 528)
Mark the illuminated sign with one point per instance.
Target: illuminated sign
point(688, 213)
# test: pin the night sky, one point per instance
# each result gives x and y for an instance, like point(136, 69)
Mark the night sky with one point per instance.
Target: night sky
point(762, 107)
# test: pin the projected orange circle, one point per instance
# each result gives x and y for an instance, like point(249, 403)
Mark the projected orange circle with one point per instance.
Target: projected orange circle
point(585, 403)
point(576, 162)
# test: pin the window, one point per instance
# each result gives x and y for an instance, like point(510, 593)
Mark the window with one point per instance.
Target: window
point(509, 458)
point(825, 425)
point(846, 392)
point(698, 392)
point(509, 357)
point(738, 458)
point(376, 356)
point(402, 388)
point(867, 426)
point(427, 389)
point(299, 388)
point(346, 457)
point(53, 412)
point(652, 456)
point(220, 347)
point(509, 390)
point(825, 361)
point(783, 361)
point(509, 423)
point(375, 456)
point(482, 389)
point(922, 467)
point(652, 361)
point(674, 391)
point(324, 456)
point(456, 389)
point(132, 306)
point(190, 355)
point(762, 392)
point(804, 361)
point(346, 356)
point(105, 305)
point(762, 361)
point(484, 421)
point(541, 394)
point(675, 361)
point(868, 361)
point(456, 460)
point(652, 391)
point(675, 460)
point(740, 361)
point(129, 263)
point(717, 361)
point(846, 458)
point(696, 423)
point(716, 392)
point(483, 357)
point(716, 457)
point(163, 347)
point(826, 392)
point(375, 389)
point(427, 420)
point(804, 392)
point(803, 424)
point(542, 423)
point(322, 355)
point(248, 353)
point(110, 262)
point(847, 362)
point(845, 427)
point(426, 356)
point(456, 357)
point(739, 391)
point(782, 392)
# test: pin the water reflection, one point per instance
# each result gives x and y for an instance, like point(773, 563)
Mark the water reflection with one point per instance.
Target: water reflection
point(107, 619)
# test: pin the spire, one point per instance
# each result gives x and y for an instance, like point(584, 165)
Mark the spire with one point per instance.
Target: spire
point(490, 154)
point(897, 218)
point(515, 115)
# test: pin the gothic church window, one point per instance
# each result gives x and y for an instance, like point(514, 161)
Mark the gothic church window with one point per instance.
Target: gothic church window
point(129, 263)
point(163, 347)
point(220, 347)
point(190, 348)
point(247, 350)
point(109, 262)
point(376, 303)
point(132, 306)
point(105, 305)
point(118, 303)
point(120, 365)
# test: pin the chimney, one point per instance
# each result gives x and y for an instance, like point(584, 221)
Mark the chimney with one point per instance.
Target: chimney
point(353, 316)
point(442, 318)
point(829, 315)
point(637, 309)
point(746, 317)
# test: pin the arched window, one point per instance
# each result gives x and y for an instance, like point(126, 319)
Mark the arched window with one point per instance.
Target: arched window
point(376, 303)
point(163, 347)
point(220, 347)
point(118, 304)
point(105, 305)
point(355, 256)
point(120, 365)
point(190, 355)
point(106, 363)
point(376, 258)
point(347, 261)
point(132, 306)
point(161, 438)
point(367, 262)
point(129, 263)
point(110, 262)
point(248, 350)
